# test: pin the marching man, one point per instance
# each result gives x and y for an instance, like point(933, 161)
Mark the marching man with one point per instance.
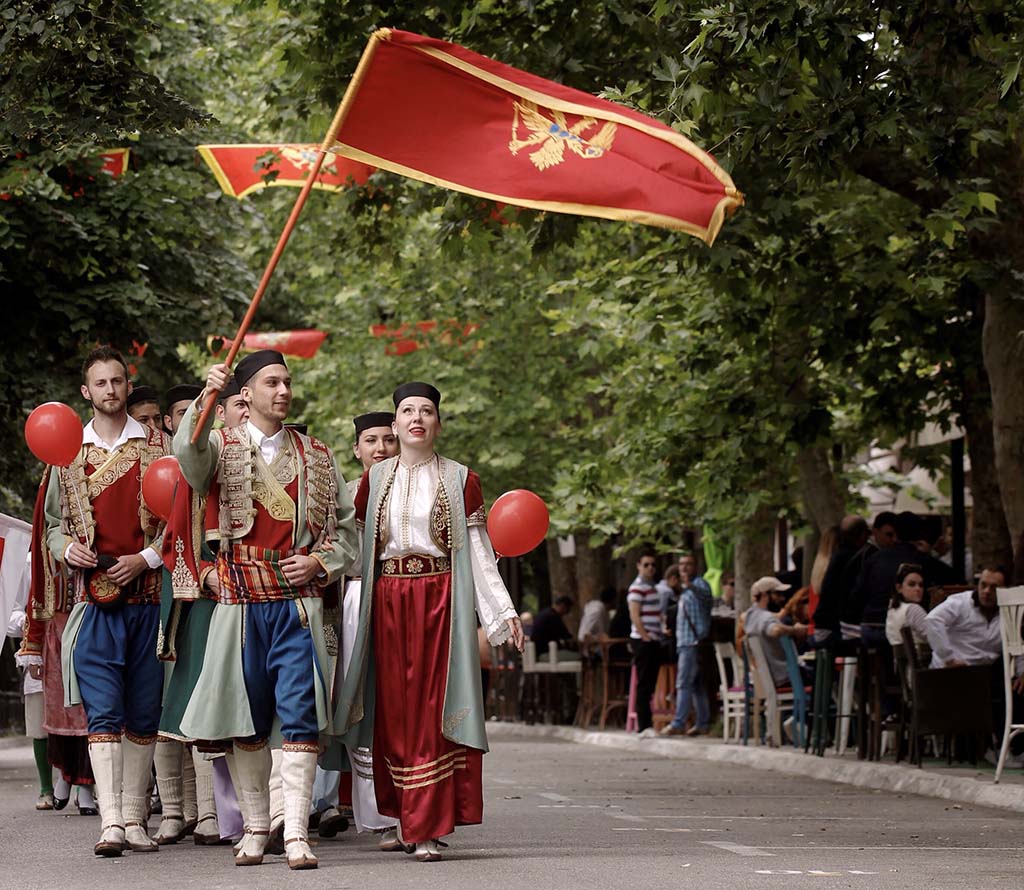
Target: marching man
point(99, 527)
point(286, 530)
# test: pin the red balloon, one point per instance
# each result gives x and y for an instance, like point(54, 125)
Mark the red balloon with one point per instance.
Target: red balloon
point(158, 485)
point(54, 433)
point(518, 522)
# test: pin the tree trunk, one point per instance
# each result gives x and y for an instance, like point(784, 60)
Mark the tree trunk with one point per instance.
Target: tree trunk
point(593, 568)
point(754, 553)
point(990, 536)
point(822, 496)
point(1003, 350)
point(560, 570)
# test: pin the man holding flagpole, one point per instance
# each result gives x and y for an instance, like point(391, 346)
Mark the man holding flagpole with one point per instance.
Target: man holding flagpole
point(286, 530)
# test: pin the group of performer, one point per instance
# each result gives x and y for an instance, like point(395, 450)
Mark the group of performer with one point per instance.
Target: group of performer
point(237, 637)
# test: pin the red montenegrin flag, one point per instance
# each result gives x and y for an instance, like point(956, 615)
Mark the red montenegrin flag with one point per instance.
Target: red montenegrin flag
point(241, 169)
point(302, 343)
point(439, 113)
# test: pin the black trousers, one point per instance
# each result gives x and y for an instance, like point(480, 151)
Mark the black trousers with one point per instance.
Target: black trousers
point(647, 658)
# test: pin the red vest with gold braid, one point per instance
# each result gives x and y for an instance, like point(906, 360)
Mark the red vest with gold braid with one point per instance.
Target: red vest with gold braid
point(102, 506)
point(258, 513)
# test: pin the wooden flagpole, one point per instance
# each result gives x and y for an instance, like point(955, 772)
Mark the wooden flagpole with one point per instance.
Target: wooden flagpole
point(293, 218)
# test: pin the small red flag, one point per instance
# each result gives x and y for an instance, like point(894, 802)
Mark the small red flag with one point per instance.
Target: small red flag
point(242, 169)
point(439, 113)
point(303, 343)
point(115, 160)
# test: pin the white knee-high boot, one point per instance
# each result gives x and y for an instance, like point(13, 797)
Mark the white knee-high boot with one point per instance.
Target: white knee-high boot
point(252, 766)
point(276, 843)
point(168, 761)
point(207, 831)
point(188, 788)
point(107, 767)
point(298, 769)
point(138, 767)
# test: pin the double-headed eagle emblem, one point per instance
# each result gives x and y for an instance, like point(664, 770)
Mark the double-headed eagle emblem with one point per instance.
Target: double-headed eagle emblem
point(304, 157)
point(553, 135)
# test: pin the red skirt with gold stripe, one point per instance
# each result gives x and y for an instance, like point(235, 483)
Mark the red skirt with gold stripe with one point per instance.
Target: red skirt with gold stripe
point(428, 783)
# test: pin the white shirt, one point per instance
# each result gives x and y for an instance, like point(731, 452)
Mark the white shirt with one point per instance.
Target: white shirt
point(131, 430)
point(911, 615)
point(269, 446)
point(594, 621)
point(957, 631)
point(408, 523)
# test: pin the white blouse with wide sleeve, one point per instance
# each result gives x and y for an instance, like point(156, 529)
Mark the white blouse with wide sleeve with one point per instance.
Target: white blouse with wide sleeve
point(408, 523)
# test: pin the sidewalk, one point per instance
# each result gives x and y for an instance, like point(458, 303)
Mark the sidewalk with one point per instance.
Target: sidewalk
point(962, 784)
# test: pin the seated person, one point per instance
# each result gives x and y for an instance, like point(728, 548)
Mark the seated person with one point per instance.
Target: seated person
point(761, 622)
point(964, 628)
point(549, 626)
point(596, 621)
point(725, 605)
point(526, 619)
point(795, 610)
point(905, 608)
point(669, 588)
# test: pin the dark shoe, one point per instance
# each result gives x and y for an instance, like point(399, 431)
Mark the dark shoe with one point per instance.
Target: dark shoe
point(275, 843)
point(697, 730)
point(672, 730)
point(88, 811)
point(332, 823)
point(60, 802)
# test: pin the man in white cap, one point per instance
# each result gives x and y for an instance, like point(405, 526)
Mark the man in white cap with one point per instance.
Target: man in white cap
point(759, 621)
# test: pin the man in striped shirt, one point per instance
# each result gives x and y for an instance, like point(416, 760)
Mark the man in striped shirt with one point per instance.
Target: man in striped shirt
point(645, 636)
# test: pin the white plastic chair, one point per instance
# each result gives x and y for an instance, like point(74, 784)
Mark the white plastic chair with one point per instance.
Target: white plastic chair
point(776, 700)
point(1011, 613)
point(732, 696)
point(844, 701)
point(561, 666)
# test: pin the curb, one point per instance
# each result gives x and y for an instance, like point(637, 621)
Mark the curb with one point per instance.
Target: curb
point(862, 774)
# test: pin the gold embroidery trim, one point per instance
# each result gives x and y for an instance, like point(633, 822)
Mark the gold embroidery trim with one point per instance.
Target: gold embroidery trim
point(451, 723)
point(458, 752)
point(268, 489)
point(445, 772)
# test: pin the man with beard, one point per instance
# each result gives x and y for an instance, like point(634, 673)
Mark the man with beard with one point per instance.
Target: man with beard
point(286, 530)
point(99, 527)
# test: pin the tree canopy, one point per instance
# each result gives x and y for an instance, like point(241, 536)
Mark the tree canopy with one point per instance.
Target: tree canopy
point(637, 380)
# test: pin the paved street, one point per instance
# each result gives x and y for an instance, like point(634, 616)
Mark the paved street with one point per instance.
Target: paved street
point(563, 815)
